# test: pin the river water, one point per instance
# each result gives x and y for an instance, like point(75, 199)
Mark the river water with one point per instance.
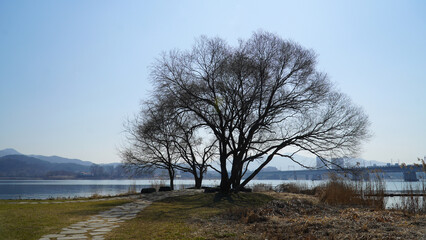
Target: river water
point(44, 189)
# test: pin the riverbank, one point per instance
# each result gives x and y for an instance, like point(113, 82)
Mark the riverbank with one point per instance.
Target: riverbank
point(266, 215)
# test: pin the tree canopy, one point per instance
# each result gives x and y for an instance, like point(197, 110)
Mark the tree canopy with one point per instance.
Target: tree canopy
point(258, 100)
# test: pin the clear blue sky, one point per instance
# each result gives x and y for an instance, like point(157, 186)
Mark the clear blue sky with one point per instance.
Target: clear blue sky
point(71, 72)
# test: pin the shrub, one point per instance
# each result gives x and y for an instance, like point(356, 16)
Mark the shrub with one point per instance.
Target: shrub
point(164, 189)
point(295, 188)
point(261, 187)
point(148, 190)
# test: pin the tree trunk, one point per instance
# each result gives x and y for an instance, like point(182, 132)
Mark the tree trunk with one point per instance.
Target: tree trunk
point(236, 185)
point(198, 181)
point(171, 183)
point(172, 178)
point(236, 173)
point(225, 183)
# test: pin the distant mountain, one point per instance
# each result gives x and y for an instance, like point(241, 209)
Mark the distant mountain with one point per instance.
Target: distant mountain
point(9, 151)
point(51, 159)
point(25, 166)
point(56, 159)
point(16, 165)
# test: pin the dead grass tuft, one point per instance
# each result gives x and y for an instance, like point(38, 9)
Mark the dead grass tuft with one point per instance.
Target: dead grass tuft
point(340, 192)
point(295, 188)
point(262, 187)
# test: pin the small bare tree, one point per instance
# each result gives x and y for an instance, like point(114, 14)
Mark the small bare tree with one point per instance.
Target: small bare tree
point(151, 137)
point(196, 153)
point(163, 139)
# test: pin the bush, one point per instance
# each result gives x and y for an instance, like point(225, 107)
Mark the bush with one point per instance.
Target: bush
point(295, 188)
point(261, 187)
point(165, 189)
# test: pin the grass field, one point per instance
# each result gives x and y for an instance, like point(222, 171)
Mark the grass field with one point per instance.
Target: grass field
point(178, 217)
point(31, 221)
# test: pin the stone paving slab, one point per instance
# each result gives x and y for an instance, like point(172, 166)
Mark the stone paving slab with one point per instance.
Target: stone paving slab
point(98, 225)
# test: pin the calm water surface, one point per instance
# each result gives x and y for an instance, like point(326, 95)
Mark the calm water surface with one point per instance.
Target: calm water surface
point(44, 189)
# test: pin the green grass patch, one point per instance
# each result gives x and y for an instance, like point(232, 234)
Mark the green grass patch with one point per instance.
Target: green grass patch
point(171, 218)
point(31, 221)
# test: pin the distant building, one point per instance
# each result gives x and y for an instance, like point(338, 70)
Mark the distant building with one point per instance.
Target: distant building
point(270, 169)
point(320, 164)
point(337, 163)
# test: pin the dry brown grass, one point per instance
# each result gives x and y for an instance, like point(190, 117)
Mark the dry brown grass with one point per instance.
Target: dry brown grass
point(339, 192)
point(413, 203)
point(298, 216)
point(289, 196)
point(295, 188)
point(262, 187)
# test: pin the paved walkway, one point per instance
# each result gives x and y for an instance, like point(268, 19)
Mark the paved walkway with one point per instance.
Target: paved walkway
point(97, 226)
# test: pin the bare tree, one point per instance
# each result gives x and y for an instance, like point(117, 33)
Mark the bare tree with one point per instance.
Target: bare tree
point(163, 139)
point(151, 137)
point(259, 99)
point(196, 153)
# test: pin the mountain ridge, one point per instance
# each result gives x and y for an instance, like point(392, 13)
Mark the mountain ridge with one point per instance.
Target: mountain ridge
point(57, 159)
point(280, 163)
point(20, 165)
point(9, 151)
point(51, 159)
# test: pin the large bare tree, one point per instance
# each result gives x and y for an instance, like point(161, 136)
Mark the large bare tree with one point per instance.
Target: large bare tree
point(259, 99)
